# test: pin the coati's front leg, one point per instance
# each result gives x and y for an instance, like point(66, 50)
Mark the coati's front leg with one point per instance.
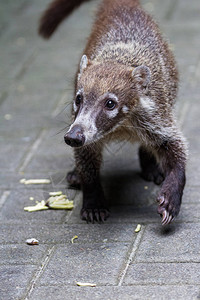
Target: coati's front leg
point(172, 159)
point(88, 161)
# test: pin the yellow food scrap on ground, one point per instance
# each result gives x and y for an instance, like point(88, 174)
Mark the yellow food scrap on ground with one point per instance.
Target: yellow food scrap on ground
point(39, 206)
point(86, 284)
point(35, 181)
point(31, 198)
point(55, 193)
point(22, 180)
point(75, 237)
point(59, 202)
point(54, 202)
point(138, 228)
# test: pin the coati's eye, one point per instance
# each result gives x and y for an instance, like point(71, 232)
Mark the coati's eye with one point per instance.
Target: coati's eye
point(78, 100)
point(110, 104)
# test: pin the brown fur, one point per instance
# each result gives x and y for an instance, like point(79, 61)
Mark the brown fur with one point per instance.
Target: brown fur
point(127, 63)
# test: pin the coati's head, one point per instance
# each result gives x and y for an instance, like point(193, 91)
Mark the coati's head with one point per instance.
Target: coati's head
point(106, 94)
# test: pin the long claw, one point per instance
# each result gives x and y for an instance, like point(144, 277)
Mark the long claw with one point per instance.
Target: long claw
point(165, 217)
point(102, 217)
point(161, 200)
point(84, 215)
point(169, 219)
point(91, 217)
point(96, 213)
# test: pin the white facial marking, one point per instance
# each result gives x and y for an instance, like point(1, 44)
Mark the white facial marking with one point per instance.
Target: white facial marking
point(111, 96)
point(80, 92)
point(74, 106)
point(112, 113)
point(125, 109)
point(147, 103)
point(86, 120)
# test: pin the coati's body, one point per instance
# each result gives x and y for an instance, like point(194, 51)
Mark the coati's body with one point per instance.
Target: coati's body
point(125, 89)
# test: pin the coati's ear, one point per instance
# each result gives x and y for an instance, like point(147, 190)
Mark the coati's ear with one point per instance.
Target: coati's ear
point(142, 76)
point(83, 63)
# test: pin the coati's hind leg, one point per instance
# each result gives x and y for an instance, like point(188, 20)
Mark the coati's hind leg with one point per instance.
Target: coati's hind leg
point(88, 161)
point(74, 179)
point(151, 171)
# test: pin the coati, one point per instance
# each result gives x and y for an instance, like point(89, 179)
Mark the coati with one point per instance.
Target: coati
point(125, 89)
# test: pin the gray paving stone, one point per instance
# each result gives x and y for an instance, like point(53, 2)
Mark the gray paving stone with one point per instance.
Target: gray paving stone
point(52, 155)
point(128, 188)
point(46, 233)
point(11, 180)
point(191, 193)
point(8, 180)
point(175, 243)
point(163, 273)
point(121, 177)
point(14, 280)
point(29, 111)
point(139, 205)
point(86, 263)
point(149, 292)
point(22, 44)
point(11, 157)
point(159, 13)
point(21, 254)
point(145, 215)
point(193, 169)
point(18, 41)
point(136, 204)
point(121, 214)
point(189, 213)
point(21, 134)
point(192, 128)
point(186, 11)
point(193, 145)
point(8, 10)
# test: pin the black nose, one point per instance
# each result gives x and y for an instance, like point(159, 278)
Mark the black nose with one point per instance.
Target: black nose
point(75, 137)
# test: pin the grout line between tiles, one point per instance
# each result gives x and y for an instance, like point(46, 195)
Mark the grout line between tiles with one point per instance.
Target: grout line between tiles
point(32, 151)
point(4, 197)
point(39, 272)
point(132, 254)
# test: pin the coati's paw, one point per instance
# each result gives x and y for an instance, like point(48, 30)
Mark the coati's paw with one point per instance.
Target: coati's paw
point(74, 179)
point(154, 175)
point(97, 214)
point(168, 208)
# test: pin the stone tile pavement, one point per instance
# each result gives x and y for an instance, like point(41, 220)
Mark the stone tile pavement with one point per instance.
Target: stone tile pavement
point(36, 87)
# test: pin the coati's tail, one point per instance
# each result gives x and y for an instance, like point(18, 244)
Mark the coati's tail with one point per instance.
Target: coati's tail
point(57, 11)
